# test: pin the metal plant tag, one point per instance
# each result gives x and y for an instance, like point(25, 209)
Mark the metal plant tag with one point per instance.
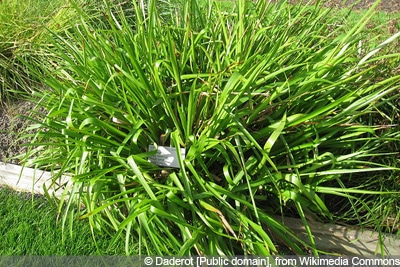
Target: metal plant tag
point(166, 156)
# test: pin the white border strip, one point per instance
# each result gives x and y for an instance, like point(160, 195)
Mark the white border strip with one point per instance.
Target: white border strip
point(30, 180)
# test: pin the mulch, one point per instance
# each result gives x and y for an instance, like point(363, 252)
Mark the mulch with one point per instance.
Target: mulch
point(11, 129)
point(389, 6)
point(385, 5)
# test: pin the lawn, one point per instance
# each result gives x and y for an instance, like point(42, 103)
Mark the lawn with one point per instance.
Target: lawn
point(28, 227)
point(281, 109)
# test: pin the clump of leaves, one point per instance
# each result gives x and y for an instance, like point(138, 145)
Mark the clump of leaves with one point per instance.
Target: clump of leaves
point(268, 102)
point(24, 36)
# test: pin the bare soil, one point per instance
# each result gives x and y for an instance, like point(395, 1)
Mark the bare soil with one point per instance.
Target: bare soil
point(385, 5)
point(12, 125)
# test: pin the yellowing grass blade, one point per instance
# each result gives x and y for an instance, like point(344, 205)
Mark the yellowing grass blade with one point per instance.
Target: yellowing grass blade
point(225, 223)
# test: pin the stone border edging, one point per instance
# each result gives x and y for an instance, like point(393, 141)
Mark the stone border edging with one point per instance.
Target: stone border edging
point(25, 179)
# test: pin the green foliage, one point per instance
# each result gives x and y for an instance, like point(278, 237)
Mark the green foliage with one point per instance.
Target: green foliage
point(268, 101)
point(24, 36)
point(28, 227)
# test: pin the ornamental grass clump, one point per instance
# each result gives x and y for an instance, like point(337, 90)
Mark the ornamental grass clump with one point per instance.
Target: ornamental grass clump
point(268, 102)
point(23, 32)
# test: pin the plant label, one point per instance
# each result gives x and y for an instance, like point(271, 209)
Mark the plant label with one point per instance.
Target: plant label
point(166, 156)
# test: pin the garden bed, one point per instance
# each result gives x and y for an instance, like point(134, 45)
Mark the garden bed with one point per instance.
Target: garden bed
point(304, 156)
point(385, 5)
point(12, 126)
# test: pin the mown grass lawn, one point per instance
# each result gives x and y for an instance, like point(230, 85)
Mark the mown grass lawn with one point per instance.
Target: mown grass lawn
point(28, 227)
